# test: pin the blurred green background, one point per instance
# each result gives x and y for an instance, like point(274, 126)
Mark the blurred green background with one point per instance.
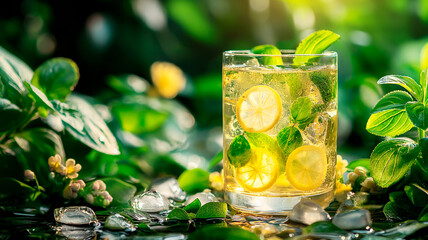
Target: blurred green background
point(110, 38)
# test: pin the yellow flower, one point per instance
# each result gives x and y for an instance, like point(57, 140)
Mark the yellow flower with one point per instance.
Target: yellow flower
point(340, 167)
point(168, 79)
point(216, 181)
point(341, 191)
point(55, 164)
point(72, 169)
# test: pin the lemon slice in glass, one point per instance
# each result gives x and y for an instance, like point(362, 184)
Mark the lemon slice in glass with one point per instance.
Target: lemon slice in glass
point(306, 167)
point(258, 109)
point(260, 173)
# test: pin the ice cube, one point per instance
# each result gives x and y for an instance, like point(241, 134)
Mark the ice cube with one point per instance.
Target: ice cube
point(253, 62)
point(119, 222)
point(76, 232)
point(75, 215)
point(169, 188)
point(150, 202)
point(308, 212)
point(204, 197)
point(352, 219)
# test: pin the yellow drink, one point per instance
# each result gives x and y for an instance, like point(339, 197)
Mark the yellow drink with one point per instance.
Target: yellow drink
point(279, 132)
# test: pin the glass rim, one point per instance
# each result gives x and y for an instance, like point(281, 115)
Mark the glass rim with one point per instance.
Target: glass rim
point(285, 53)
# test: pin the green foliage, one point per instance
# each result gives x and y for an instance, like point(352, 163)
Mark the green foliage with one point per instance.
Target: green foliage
point(193, 207)
point(11, 110)
point(239, 152)
point(216, 160)
point(178, 214)
point(226, 233)
point(289, 138)
point(365, 162)
point(268, 50)
point(325, 85)
point(212, 210)
point(194, 180)
point(315, 43)
point(407, 83)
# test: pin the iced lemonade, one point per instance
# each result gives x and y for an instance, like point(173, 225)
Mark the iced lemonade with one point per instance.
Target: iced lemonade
point(279, 133)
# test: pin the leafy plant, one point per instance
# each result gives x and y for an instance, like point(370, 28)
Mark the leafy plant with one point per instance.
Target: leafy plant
point(401, 163)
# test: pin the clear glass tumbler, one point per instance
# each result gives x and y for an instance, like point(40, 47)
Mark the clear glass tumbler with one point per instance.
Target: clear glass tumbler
point(279, 129)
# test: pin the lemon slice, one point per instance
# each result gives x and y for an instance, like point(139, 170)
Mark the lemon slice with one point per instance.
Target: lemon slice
point(260, 173)
point(306, 167)
point(258, 109)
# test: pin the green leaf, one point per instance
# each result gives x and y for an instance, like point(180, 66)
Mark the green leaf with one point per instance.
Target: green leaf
point(391, 159)
point(417, 195)
point(315, 43)
point(389, 123)
point(269, 50)
point(13, 187)
point(326, 84)
point(128, 84)
point(121, 191)
point(178, 214)
point(194, 206)
point(392, 100)
point(301, 109)
point(262, 140)
point(365, 162)
point(322, 227)
point(423, 216)
point(216, 160)
point(406, 82)
point(423, 143)
point(12, 84)
point(56, 78)
point(424, 57)
point(10, 111)
point(84, 123)
point(194, 180)
point(24, 72)
point(393, 211)
point(39, 97)
point(212, 210)
point(289, 138)
point(224, 233)
point(424, 83)
point(239, 152)
point(418, 114)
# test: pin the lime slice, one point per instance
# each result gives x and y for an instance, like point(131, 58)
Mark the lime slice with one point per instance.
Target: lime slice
point(268, 50)
point(239, 152)
point(258, 109)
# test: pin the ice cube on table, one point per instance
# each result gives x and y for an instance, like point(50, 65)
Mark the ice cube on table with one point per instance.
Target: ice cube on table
point(76, 232)
point(204, 197)
point(352, 219)
point(169, 188)
point(308, 212)
point(119, 222)
point(75, 215)
point(150, 201)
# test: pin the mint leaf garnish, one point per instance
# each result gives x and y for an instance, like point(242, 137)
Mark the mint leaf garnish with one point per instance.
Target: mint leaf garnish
point(268, 50)
point(315, 43)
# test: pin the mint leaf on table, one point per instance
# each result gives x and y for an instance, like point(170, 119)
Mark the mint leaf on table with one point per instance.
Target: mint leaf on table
point(212, 210)
point(178, 214)
point(268, 50)
point(194, 206)
point(315, 43)
point(391, 159)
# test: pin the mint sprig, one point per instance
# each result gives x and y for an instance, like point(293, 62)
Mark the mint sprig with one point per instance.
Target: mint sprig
point(268, 50)
point(316, 43)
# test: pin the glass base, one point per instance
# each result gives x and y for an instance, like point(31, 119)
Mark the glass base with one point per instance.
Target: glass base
point(272, 205)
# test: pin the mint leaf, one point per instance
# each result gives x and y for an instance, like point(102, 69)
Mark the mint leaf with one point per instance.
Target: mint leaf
point(416, 194)
point(194, 180)
point(406, 82)
point(392, 100)
point(289, 138)
point(326, 84)
point(178, 214)
point(262, 140)
point(239, 152)
point(315, 43)
point(391, 159)
point(194, 206)
point(423, 216)
point(418, 114)
point(301, 109)
point(268, 50)
point(212, 210)
point(389, 123)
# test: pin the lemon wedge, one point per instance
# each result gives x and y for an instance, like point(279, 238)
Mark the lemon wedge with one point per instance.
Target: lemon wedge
point(260, 173)
point(306, 167)
point(258, 109)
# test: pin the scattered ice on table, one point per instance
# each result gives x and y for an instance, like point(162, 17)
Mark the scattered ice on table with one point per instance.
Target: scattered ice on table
point(308, 212)
point(352, 219)
point(118, 222)
point(169, 188)
point(75, 215)
point(150, 202)
point(136, 214)
point(204, 197)
point(76, 232)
